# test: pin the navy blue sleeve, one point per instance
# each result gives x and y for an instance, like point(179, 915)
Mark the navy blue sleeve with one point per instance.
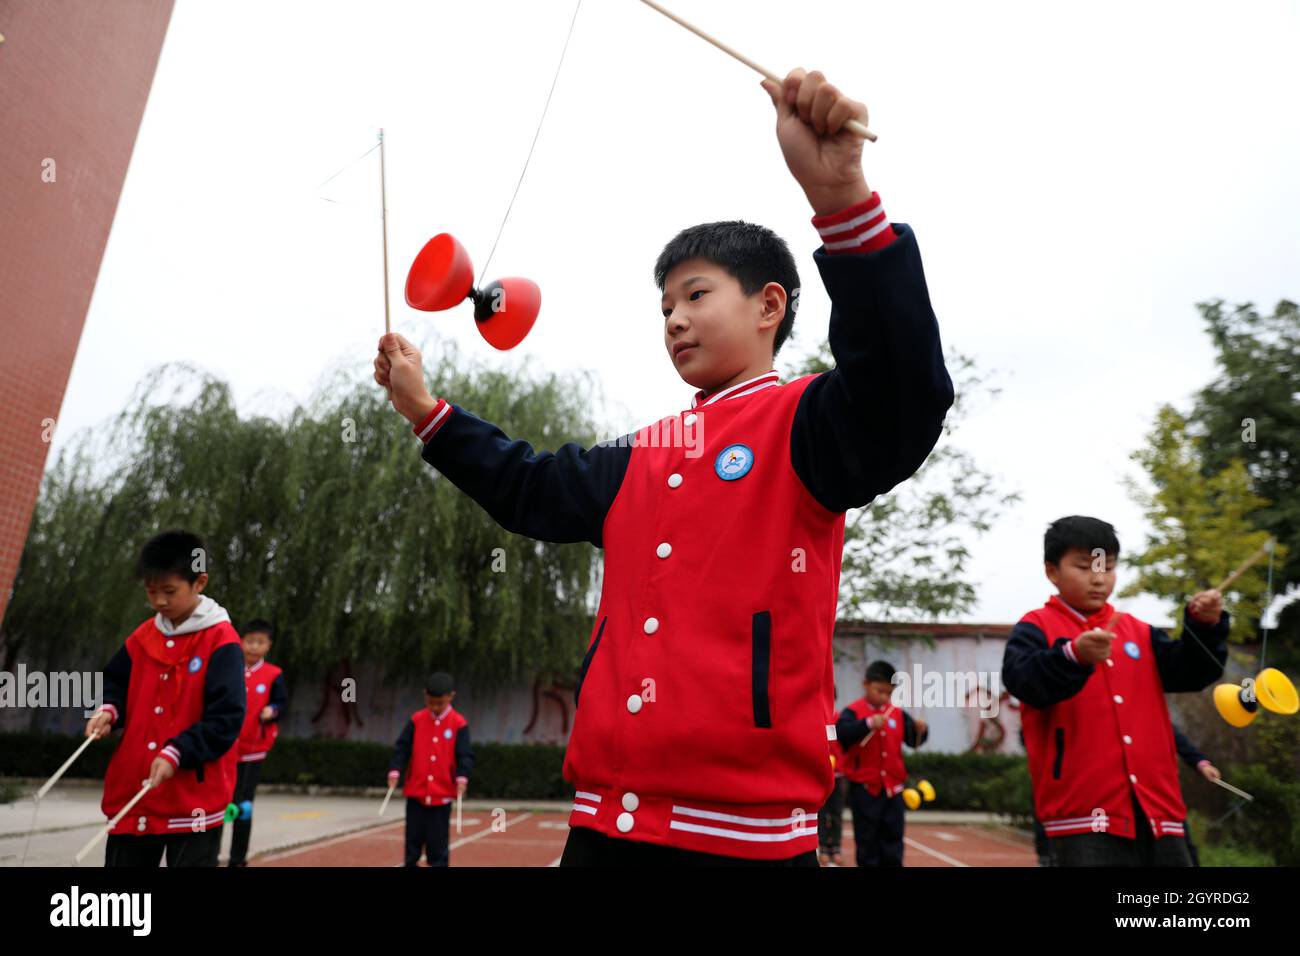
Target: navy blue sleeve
point(117, 677)
point(561, 496)
point(909, 732)
point(1190, 664)
point(224, 700)
point(464, 753)
point(869, 423)
point(279, 697)
point(402, 749)
point(1038, 672)
point(849, 729)
point(1190, 753)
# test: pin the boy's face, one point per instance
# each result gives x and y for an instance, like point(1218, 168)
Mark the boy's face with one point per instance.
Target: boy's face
point(256, 644)
point(878, 692)
point(713, 331)
point(437, 705)
point(1084, 582)
point(173, 597)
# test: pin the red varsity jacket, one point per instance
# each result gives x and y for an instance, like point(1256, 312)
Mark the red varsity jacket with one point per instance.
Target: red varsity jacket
point(1096, 734)
point(705, 701)
point(263, 687)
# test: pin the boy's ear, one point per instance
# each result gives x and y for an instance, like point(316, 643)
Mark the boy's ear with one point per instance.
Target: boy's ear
point(1052, 571)
point(200, 582)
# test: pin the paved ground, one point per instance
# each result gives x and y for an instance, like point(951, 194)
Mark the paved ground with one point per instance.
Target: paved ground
point(293, 829)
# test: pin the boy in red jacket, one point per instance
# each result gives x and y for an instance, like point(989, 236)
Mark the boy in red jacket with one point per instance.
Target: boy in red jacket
point(1091, 682)
point(435, 752)
point(872, 732)
point(706, 697)
point(266, 694)
point(176, 690)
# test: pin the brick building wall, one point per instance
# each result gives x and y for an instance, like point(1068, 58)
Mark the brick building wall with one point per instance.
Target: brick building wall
point(74, 78)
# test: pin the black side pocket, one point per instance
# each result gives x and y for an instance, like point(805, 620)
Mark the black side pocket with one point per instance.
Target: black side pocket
point(1060, 753)
point(586, 660)
point(761, 629)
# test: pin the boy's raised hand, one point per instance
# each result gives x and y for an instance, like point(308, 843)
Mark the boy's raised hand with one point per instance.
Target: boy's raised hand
point(161, 769)
point(1206, 607)
point(824, 157)
point(399, 371)
point(1093, 647)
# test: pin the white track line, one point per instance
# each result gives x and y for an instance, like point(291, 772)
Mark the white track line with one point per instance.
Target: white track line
point(935, 853)
point(333, 841)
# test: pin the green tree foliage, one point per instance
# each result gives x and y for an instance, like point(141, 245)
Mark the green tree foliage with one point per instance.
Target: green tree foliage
point(1251, 411)
point(324, 520)
point(1204, 526)
point(906, 554)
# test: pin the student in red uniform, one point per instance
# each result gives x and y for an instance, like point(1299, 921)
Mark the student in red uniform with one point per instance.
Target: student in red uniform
point(1091, 682)
point(435, 752)
point(265, 690)
point(830, 821)
point(175, 689)
point(872, 732)
point(706, 697)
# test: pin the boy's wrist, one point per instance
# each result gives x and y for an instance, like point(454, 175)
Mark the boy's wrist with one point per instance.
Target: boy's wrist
point(419, 410)
point(831, 199)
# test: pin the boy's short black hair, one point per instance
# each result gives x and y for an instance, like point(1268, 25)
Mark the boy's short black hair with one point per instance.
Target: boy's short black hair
point(751, 254)
point(1078, 531)
point(258, 624)
point(171, 552)
point(880, 671)
point(439, 684)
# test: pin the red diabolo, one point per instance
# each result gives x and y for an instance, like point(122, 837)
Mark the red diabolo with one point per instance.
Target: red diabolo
point(442, 277)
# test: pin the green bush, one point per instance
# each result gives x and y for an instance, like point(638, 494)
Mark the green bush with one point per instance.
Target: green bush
point(501, 771)
point(994, 783)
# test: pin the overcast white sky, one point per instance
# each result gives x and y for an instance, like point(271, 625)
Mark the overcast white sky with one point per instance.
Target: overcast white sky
point(1078, 176)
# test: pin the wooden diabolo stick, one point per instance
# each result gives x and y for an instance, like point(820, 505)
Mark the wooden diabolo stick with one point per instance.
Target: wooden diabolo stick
point(850, 124)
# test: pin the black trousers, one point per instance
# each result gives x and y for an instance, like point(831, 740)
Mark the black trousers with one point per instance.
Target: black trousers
point(1106, 849)
point(830, 821)
point(181, 849)
point(586, 847)
point(247, 776)
point(427, 831)
point(877, 826)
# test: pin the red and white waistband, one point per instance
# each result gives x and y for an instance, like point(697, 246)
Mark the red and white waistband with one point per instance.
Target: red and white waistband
point(749, 831)
point(253, 757)
point(1115, 825)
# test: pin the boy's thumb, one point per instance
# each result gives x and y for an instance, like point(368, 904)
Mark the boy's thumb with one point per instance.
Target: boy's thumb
point(772, 90)
point(391, 344)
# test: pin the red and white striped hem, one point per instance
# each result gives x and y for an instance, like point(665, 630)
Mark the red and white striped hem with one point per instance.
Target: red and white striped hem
point(862, 227)
point(428, 426)
point(748, 831)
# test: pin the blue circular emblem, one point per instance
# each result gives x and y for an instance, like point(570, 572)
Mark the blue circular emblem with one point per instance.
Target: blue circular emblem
point(195, 663)
point(734, 462)
point(261, 688)
point(1131, 649)
point(892, 722)
point(447, 733)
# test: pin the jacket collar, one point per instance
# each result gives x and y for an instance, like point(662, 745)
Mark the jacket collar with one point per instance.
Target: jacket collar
point(1103, 617)
point(207, 613)
point(766, 380)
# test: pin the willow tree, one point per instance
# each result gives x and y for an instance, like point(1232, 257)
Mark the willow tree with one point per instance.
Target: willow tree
point(323, 519)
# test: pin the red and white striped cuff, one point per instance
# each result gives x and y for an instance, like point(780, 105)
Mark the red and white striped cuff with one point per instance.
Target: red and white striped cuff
point(462, 779)
point(1069, 651)
point(862, 227)
point(428, 426)
point(108, 709)
point(172, 754)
